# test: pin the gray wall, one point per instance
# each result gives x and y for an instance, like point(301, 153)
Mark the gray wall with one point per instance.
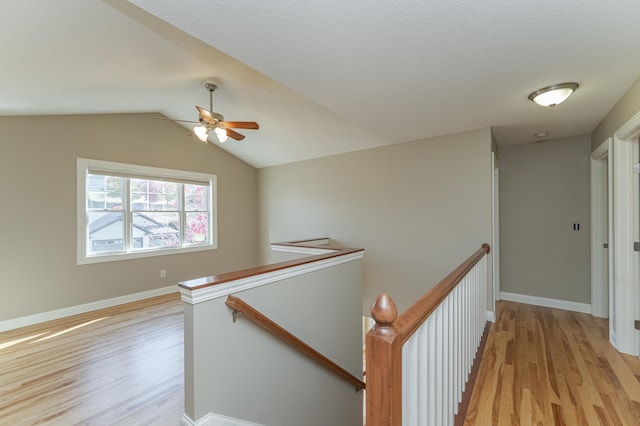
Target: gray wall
point(624, 109)
point(38, 193)
point(241, 371)
point(418, 208)
point(544, 189)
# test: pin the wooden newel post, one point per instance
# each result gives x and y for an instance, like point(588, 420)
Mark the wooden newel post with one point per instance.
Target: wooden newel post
point(384, 312)
point(384, 366)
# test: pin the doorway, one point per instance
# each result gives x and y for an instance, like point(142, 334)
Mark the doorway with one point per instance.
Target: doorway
point(620, 154)
point(495, 226)
point(602, 292)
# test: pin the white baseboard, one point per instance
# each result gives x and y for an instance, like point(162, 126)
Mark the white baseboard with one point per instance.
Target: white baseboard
point(612, 338)
point(585, 308)
point(81, 309)
point(211, 419)
point(491, 316)
point(203, 421)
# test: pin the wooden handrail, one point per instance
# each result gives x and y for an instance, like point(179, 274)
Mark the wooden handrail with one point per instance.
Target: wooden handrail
point(213, 280)
point(263, 321)
point(416, 314)
point(384, 343)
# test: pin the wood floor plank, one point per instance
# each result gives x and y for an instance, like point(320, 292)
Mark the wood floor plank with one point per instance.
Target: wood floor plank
point(552, 367)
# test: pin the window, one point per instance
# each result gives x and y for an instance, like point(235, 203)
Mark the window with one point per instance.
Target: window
point(127, 211)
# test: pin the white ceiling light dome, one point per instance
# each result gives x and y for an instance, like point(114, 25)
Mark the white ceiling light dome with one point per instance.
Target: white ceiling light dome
point(553, 95)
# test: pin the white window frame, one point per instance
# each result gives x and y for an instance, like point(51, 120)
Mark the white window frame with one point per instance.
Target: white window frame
point(84, 165)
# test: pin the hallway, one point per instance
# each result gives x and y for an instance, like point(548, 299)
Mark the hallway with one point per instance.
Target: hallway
point(544, 366)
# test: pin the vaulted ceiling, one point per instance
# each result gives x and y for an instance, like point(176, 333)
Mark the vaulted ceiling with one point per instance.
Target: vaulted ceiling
point(326, 77)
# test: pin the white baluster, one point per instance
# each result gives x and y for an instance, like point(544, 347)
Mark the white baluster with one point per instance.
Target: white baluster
point(431, 351)
point(468, 322)
point(439, 364)
point(446, 365)
point(456, 349)
point(423, 339)
point(410, 381)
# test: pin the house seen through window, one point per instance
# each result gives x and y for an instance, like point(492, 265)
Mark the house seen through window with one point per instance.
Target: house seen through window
point(135, 211)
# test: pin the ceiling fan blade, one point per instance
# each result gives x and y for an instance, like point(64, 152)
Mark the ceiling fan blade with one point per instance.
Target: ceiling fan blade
point(177, 121)
point(235, 135)
point(185, 121)
point(205, 115)
point(239, 125)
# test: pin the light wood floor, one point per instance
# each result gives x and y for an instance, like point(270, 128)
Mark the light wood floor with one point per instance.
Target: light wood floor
point(124, 366)
point(550, 367)
point(117, 366)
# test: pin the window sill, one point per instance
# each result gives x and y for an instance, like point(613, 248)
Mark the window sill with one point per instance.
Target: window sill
point(87, 260)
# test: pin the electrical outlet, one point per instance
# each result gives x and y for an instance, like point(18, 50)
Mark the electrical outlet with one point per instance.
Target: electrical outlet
point(163, 273)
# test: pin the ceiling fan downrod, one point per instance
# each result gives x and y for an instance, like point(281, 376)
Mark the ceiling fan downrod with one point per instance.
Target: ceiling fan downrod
point(211, 88)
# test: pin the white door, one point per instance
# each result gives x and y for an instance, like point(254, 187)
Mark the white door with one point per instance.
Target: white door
point(495, 217)
point(626, 218)
point(604, 251)
point(601, 224)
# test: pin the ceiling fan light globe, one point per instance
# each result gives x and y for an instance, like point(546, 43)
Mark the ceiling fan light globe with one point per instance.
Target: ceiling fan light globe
point(221, 134)
point(201, 132)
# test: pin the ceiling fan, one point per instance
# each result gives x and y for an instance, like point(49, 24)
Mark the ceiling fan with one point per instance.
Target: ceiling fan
point(209, 120)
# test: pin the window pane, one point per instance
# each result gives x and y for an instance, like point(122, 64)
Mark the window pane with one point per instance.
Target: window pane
point(172, 202)
point(96, 199)
point(196, 197)
point(156, 229)
point(156, 202)
point(154, 195)
point(139, 202)
point(96, 182)
point(139, 185)
point(156, 186)
point(170, 196)
point(139, 194)
point(113, 201)
point(105, 192)
point(105, 232)
point(197, 228)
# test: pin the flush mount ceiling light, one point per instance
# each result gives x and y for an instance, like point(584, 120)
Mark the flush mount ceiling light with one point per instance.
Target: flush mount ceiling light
point(553, 95)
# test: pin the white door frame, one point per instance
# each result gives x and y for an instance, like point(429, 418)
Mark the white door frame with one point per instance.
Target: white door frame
point(495, 220)
point(626, 281)
point(601, 230)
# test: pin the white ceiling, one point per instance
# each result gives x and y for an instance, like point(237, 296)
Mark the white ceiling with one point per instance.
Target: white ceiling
point(324, 77)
